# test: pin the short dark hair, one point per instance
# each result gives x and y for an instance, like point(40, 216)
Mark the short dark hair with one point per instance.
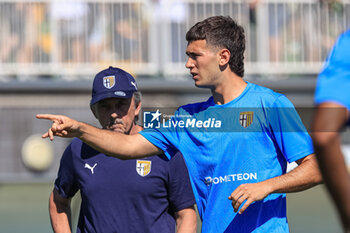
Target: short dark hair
point(222, 32)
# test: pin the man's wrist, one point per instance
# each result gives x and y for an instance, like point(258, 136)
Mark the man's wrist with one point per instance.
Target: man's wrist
point(270, 186)
point(80, 129)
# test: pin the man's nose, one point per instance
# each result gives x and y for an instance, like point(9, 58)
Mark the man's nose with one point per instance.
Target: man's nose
point(114, 114)
point(189, 63)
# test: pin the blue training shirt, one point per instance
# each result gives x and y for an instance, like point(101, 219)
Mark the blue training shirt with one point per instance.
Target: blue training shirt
point(124, 195)
point(247, 140)
point(333, 83)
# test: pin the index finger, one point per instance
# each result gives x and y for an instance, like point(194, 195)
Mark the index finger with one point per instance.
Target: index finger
point(51, 117)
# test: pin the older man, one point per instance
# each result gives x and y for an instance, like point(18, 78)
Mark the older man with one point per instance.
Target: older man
point(145, 195)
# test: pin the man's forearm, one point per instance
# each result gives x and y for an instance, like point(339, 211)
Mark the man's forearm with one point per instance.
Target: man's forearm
point(328, 121)
point(104, 141)
point(60, 215)
point(305, 176)
point(110, 143)
point(186, 221)
point(336, 176)
point(116, 144)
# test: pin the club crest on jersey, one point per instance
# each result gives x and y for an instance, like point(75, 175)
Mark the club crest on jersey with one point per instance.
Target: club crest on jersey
point(109, 81)
point(143, 167)
point(246, 118)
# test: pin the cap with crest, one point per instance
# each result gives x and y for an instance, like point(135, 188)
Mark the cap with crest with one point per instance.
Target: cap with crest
point(112, 83)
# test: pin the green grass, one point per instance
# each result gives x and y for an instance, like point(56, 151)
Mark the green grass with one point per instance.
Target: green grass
point(24, 208)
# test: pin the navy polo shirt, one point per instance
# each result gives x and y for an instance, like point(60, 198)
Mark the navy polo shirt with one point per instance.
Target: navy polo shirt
point(138, 195)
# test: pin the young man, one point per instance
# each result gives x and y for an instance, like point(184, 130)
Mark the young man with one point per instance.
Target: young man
point(148, 195)
point(255, 132)
point(332, 115)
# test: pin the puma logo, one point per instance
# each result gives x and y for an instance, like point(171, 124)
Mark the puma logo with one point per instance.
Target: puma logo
point(132, 83)
point(90, 168)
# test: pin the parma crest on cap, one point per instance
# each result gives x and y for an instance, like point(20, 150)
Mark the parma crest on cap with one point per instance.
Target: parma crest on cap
point(109, 81)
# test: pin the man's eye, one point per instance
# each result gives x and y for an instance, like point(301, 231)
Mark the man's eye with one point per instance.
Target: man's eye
point(192, 55)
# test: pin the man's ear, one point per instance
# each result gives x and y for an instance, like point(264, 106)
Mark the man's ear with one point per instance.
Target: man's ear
point(224, 57)
point(94, 110)
point(137, 108)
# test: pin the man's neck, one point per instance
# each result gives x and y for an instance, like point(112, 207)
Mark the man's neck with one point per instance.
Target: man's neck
point(135, 129)
point(229, 89)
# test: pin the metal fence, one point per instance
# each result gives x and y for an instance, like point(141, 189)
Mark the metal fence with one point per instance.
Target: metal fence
point(147, 37)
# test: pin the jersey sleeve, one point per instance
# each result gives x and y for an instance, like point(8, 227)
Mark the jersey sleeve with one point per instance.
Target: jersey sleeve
point(180, 191)
point(65, 182)
point(333, 83)
point(289, 131)
point(165, 138)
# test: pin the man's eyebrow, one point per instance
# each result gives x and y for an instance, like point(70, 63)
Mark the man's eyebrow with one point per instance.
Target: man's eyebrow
point(191, 53)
